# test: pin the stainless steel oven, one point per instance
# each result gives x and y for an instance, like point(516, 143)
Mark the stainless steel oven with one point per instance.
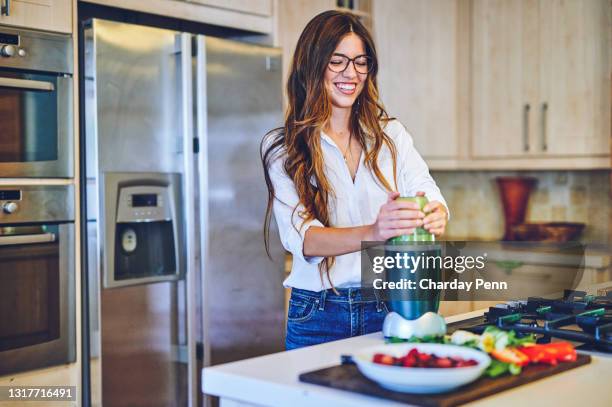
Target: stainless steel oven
point(36, 126)
point(37, 292)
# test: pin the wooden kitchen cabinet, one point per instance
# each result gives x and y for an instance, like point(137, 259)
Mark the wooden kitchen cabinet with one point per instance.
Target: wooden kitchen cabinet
point(504, 64)
point(261, 7)
point(541, 81)
point(250, 15)
point(574, 110)
point(293, 15)
point(422, 52)
point(48, 15)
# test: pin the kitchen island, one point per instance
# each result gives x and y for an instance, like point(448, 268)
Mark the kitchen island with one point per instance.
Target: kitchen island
point(272, 380)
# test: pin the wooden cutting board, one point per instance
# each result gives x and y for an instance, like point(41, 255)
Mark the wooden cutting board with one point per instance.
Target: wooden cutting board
point(347, 377)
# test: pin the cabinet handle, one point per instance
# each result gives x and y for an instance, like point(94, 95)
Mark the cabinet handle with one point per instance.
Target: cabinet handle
point(543, 130)
point(526, 127)
point(5, 9)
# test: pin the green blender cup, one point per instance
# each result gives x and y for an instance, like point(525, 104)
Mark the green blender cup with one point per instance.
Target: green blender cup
point(419, 234)
point(411, 304)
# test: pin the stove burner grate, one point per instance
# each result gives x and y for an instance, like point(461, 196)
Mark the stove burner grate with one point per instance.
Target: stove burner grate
point(576, 317)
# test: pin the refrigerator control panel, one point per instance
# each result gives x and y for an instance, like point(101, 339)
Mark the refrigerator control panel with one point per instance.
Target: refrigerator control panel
point(143, 204)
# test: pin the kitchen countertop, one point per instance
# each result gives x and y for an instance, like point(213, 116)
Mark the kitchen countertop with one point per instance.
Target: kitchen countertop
point(272, 380)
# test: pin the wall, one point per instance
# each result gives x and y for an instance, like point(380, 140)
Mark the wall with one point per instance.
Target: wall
point(573, 196)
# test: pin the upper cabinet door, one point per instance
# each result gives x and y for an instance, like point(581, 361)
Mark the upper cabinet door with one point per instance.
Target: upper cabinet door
point(261, 7)
point(504, 77)
point(574, 109)
point(48, 15)
point(418, 58)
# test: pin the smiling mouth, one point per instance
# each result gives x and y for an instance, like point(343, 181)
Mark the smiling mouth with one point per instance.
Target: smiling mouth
point(348, 88)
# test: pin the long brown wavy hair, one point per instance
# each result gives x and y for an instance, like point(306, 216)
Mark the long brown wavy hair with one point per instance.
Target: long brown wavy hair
point(309, 110)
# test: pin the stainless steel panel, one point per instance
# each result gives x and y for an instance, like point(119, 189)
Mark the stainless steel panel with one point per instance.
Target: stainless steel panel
point(138, 347)
point(134, 134)
point(48, 203)
point(43, 51)
point(136, 77)
point(245, 297)
point(41, 204)
point(63, 167)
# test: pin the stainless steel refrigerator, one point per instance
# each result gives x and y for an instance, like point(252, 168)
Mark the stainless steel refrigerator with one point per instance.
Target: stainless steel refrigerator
point(178, 274)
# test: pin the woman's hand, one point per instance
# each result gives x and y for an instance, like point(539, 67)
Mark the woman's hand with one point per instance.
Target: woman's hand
point(437, 217)
point(395, 218)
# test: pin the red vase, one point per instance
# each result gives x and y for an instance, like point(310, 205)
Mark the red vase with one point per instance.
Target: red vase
point(514, 192)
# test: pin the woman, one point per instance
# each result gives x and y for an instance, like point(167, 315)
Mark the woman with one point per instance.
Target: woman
point(333, 172)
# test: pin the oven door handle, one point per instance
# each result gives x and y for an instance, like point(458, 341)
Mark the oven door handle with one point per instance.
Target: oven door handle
point(26, 84)
point(27, 239)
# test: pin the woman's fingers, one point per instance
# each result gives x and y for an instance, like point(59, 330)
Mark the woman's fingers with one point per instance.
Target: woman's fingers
point(391, 196)
point(434, 217)
point(395, 205)
point(435, 207)
point(401, 214)
point(397, 218)
point(404, 215)
point(435, 225)
point(401, 224)
point(432, 206)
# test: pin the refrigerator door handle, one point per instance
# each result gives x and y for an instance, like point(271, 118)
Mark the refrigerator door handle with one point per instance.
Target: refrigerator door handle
point(202, 160)
point(189, 208)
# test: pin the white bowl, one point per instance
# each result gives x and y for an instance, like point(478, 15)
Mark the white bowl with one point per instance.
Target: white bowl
point(422, 380)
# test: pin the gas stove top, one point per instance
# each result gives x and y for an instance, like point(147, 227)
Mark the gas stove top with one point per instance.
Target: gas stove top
point(576, 317)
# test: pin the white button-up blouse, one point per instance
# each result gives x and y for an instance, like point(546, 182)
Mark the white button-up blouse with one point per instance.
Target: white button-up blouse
point(356, 204)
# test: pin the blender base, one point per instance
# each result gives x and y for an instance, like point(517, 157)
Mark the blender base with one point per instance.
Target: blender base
point(428, 324)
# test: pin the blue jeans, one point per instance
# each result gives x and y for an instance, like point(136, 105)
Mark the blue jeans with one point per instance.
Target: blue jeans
point(318, 317)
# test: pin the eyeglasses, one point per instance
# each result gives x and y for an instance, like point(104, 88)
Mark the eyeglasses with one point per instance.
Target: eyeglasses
point(339, 62)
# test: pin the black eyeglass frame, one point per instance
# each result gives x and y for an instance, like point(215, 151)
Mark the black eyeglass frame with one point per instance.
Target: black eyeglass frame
point(369, 66)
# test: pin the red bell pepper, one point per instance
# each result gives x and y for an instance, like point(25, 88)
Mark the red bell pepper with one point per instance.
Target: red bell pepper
point(550, 353)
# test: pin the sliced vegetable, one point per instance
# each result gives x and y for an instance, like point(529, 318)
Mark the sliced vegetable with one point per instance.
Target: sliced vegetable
point(511, 355)
point(508, 338)
point(550, 353)
point(497, 368)
point(514, 369)
point(487, 342)
point(465, 338)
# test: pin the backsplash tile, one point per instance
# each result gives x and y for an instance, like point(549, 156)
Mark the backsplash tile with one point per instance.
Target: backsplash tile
point(570, 196)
